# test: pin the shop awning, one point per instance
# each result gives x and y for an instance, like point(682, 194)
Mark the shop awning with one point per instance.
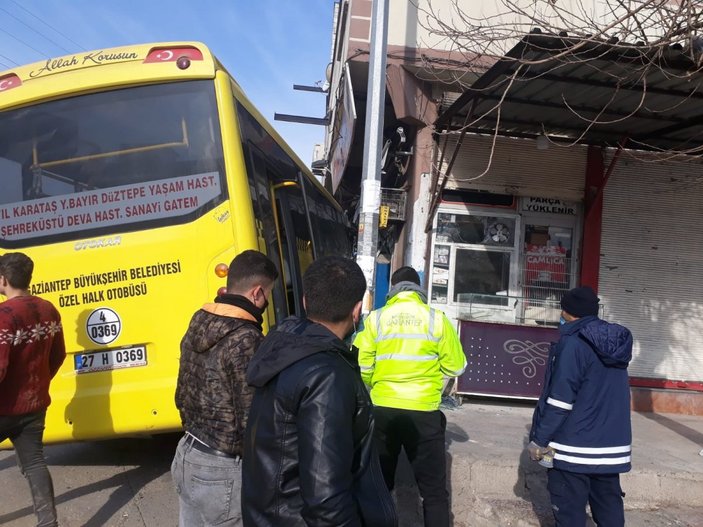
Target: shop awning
point(588, 92)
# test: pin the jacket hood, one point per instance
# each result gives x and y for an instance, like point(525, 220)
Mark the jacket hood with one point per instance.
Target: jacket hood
point(215, 322)
point(611, 342)
point(294, 339)
point(406, 287)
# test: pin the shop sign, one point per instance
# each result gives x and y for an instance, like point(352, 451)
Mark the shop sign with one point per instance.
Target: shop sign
point(548, 206)
point(345, 120)
point(545, 264)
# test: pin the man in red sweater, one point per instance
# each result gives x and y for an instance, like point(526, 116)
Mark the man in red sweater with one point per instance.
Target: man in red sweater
point(31, 351)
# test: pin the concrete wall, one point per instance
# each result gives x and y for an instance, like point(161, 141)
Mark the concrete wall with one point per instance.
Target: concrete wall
point(441, 24)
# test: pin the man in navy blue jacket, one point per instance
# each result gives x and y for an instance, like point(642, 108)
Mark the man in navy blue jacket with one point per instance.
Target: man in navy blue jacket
point(583, 415)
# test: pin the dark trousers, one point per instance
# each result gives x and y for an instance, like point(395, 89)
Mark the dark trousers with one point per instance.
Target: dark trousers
point(570, 492)
point(421, 435)
point(26, 433)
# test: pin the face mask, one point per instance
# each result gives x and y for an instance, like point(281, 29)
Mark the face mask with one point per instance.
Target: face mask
point(562, 321)
point(266, 302)
point(349, 339)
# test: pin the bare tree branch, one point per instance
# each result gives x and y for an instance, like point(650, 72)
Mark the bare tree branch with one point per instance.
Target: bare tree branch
point(643, 31)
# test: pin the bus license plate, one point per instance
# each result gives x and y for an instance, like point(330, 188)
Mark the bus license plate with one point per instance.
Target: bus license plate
point(110, 359)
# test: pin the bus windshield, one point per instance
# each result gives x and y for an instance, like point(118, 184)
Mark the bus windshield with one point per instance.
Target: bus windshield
point(116, 161)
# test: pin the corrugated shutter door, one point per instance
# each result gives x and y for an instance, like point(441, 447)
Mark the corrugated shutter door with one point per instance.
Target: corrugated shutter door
point(517, 168)
point(651, 270)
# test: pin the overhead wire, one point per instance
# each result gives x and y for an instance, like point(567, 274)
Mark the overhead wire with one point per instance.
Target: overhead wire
point(48, 25)
point(9, 60)
point(45, 37)
point(24, 43)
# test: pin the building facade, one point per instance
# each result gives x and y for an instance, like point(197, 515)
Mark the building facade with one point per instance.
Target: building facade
point(515, 221)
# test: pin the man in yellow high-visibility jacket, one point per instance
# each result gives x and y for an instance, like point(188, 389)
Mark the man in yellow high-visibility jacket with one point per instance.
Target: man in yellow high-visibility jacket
point(405, 350)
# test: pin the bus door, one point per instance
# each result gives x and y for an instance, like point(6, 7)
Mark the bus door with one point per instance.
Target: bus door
point(296, 246)
point(267, 231)
point(283, 225)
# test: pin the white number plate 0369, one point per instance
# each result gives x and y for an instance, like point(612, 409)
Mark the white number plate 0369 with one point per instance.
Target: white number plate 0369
point(110, 359)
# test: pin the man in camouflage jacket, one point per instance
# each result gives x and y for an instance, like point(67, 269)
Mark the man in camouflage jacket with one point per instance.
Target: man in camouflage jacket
point(212, 395)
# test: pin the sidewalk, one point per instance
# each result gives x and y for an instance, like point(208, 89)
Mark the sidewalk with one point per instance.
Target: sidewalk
point(494, 483)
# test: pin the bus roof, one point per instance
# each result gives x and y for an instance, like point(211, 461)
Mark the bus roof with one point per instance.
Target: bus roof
point(122, 66)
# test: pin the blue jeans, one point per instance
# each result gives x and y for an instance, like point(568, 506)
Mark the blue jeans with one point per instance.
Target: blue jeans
point(26, 433)
point(209, 487)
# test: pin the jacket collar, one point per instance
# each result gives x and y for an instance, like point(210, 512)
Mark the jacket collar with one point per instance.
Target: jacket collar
point(577, 325)
point(294, 339)
point(406, 291)
point(235, 306)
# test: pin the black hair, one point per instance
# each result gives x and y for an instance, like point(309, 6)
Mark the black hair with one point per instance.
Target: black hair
point(332, 286)
point(249, 269)
point(17, 269)
point(405, 274)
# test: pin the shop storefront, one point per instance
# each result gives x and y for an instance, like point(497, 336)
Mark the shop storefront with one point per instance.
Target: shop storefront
point(508, 263)
point(504, 247)
point(499, 264)
point(634, 234)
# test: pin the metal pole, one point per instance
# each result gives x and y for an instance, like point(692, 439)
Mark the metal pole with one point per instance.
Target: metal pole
point(371, 181)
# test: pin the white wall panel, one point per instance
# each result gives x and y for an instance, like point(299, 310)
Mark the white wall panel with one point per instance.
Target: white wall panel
point(442, 24)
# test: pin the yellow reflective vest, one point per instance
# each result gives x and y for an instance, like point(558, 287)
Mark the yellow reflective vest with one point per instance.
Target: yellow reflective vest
point(405, 350)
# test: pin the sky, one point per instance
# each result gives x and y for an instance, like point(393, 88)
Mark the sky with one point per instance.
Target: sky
point(267, 45)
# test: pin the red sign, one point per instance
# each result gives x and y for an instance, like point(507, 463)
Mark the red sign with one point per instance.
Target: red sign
point(545, 264)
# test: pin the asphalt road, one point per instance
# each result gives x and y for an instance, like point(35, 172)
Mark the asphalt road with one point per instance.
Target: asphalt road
point(124, 482)
point(127, 483)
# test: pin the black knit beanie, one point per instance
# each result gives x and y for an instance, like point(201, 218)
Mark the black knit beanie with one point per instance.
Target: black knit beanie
point(580, 302)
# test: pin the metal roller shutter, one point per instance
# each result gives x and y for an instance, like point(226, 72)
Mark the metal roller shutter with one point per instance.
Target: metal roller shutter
point(651, 268)
point(518, 168)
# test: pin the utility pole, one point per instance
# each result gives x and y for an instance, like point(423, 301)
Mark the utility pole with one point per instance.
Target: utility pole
point(371, 182)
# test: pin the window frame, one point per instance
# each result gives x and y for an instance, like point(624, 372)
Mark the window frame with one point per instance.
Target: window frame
point(513, 250)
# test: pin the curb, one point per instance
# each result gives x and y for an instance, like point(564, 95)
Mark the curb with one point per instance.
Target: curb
point(489, 494)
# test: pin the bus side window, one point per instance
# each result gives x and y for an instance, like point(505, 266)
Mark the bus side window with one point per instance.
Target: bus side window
point(12, 181)
point(330, 230)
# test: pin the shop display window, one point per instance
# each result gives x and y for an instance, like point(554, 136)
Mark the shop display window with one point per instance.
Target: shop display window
point(502, 266)
point(440, 274)
point(545, 270)
point(547, 253)
point(472, 259)
point(475, 230)
point(481, 272)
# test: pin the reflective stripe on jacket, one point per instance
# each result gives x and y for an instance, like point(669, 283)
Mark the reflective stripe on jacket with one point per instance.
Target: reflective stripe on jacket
point(584, 410)
point(405, 350)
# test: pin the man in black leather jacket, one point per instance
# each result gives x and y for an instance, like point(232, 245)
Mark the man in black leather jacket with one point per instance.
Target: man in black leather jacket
point(309, 456)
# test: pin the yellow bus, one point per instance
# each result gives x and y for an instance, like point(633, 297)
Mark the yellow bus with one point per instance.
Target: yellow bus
point(132, 176)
